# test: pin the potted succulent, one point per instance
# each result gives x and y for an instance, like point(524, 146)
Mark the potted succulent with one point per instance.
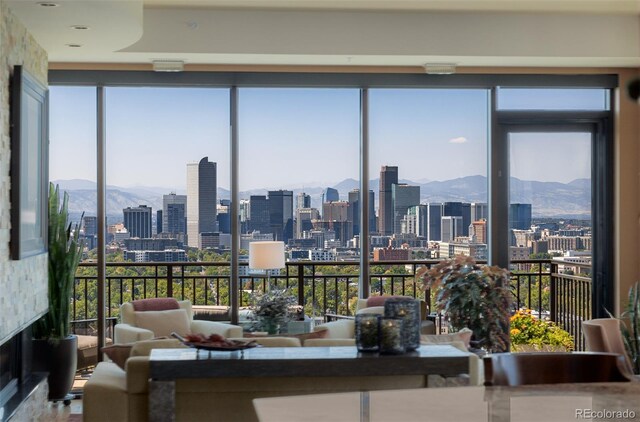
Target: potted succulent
point(54, 349)
point(472, 296)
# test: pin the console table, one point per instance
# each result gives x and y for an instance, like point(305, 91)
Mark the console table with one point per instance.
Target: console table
point(167, 365)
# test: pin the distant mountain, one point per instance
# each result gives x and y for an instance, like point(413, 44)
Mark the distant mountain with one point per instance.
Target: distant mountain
point(548, 199)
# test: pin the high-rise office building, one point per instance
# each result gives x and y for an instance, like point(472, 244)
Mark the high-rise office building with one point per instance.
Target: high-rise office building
point(335, 216)
point(403, 196)
point(90, 225)
point(417, 220)
point(174, 213)
point(388, 178)
point(330, 195)
point(137, 221)
point(224, 216)
point(354, 211)
point(259, 220)
point(459, 209)
point(281, 214)
point(303, 200)
point(159, 221)
point(520, 216)
point(202, 197)
point(479, 211)
point(478, 231)
point(304, 217)
point(434, 223)
point(451, 227)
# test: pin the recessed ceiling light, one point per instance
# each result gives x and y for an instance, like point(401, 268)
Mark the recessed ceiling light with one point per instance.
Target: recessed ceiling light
point(48, 4)
point(74, 45)
point(79, 27)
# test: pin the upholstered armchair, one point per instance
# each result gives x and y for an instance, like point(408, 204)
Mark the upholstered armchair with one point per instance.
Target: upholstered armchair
point(148, 318)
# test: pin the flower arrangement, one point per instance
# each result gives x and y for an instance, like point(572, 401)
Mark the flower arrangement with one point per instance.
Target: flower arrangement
point(472, 296)
point(527, 329)
point(272, 309)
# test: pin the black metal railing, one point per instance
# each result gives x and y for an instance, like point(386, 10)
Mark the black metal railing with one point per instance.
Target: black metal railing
point(322, 287)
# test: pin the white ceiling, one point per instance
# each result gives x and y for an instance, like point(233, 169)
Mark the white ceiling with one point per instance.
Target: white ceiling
point(594, 33)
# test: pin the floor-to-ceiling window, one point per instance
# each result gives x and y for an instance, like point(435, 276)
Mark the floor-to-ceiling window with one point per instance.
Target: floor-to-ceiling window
point(430, 166)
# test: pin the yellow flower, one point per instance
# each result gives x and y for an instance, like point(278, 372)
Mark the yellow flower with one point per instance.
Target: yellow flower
point(515, 331)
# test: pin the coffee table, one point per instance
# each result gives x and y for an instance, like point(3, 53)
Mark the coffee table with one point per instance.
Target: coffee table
point(167, 365)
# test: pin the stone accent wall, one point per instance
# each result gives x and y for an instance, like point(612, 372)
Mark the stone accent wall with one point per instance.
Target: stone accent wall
point(23, 284)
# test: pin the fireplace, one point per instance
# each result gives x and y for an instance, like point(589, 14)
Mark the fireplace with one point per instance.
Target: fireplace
point(15, 369)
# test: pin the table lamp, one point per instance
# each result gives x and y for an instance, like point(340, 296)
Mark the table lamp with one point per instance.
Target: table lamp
point(268, 255)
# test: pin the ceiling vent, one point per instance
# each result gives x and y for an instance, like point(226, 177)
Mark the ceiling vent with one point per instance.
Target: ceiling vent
point(440, 68)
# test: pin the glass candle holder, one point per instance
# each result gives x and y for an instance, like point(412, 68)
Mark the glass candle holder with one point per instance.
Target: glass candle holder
point(367, 332)
point(391, 335)
point(408, 310)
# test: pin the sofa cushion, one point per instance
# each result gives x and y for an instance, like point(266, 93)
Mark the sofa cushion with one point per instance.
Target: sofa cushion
point(143, 348)
point(378, 310)
point(163, 323)
point(463, 335)
point(155, 304)
point(342, 328)
point(380, 300)
point(118, 353)
point(321, 333)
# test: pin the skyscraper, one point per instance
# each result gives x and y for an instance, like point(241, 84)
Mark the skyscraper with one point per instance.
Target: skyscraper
point(137, 221)
point(403, 196)
point(388, 178)
point(434, 217)
point(304, 216)
point(479, 211)
point(281, 214)
point(303, 200)
point(354, 211)
point(520, 216)
point(159, 221)
point(451, 228)
point(417, 220)
point(90, 224)
point(459, 209)
point(259, 214)
point(331, 195)
point(201, 197)
point(174, 213)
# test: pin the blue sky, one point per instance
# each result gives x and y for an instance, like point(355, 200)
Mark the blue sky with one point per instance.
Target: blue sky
point(299, 137)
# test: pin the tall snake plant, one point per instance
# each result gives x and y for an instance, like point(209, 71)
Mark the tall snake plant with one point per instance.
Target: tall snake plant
point(65, 251)
point(631, 331)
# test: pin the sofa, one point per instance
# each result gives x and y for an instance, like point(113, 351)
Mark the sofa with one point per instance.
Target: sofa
point(113, 394)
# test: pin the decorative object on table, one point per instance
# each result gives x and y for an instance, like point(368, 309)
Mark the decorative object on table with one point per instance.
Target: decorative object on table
point(267, 256)
point(29, 172)
point(54, 349)
point(631, 327)
point(407, 309)
point(390, 336)
point(473, 296)
point(529, 333)
point(272, 310)
point(367, 327)
point(214, 342)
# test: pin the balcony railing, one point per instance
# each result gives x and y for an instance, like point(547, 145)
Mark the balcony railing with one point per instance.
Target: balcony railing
point(322, 287)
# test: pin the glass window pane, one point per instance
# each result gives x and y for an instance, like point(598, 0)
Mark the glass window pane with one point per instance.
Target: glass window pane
point(72, 166)
point(553, 99)
point(299, 167)
point(168, 194)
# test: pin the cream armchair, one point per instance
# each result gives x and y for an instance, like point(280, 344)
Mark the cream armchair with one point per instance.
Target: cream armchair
point(130, 331)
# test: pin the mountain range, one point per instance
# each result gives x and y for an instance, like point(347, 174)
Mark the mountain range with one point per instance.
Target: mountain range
point(548, 199)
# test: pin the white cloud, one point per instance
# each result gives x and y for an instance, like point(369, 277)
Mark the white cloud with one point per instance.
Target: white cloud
point(459, 140)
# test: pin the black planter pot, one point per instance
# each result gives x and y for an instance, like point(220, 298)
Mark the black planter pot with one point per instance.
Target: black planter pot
point(59, 360)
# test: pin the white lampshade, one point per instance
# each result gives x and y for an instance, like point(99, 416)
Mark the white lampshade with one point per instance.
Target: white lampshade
point(266, 255)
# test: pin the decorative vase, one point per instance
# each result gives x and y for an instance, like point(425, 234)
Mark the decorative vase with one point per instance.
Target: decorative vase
point(408, 310)
point(270, 325)
point(367, 332)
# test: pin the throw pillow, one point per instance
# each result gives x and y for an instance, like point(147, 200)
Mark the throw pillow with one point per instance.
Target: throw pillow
point(463, 335)
point(155, 304)
point(163, 323)
point(378, 310)
point(379, 300)
point(118, 353)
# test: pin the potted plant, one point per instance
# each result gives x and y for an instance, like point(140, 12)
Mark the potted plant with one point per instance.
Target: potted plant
point(272, 310)
point(54, 349)
point(472, 296)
